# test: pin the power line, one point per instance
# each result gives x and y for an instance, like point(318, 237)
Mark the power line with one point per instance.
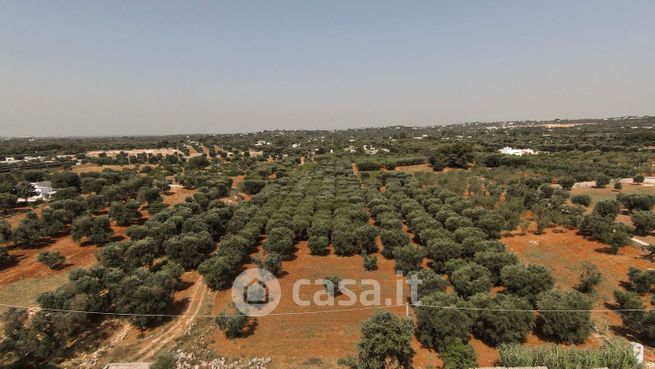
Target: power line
point(439, 307)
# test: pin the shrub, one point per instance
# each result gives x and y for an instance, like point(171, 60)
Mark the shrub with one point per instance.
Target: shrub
point(385, 341)
point(51, 259)
point(471, 279)
point(332, 285)
point(638, 179)
point(164, 360)
point(528, 281)
point(582, 199)
point(458, 355)
point(232, 322)
point(318, 245)
point(4, 256)
point(567, 326)
point(602, 180)
point(370, 262)
point(566, 182)
point(436, 327)
point(589, 278)
point(365, 238)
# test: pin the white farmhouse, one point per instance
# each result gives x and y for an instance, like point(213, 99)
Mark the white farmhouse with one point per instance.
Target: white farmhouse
point(518, 152)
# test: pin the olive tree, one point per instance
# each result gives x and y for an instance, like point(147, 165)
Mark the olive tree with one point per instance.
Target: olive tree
point(471, 279)
point(502, 318)
point(565, 315)
point(437, 323)
point(385, 340)
point(527, 282)
point(51, 259)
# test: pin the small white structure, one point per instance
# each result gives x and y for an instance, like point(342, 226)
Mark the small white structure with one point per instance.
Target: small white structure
point(518, 152)
point(43, 191)
point(136, 365)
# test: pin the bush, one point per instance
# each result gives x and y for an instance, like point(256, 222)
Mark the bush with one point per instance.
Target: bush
point(644, 222)
point(5, 231)
point(436, 327)
point(566, 182)
point(589, 278)
point(638, 179)
point(615, 354)
point(4, 256)
point(566, 326)
point(602, 180)
point(458, 355)
point(332, 285)
point(370, 262)
point(164, 360)
point(471, 279)
point(528, 281)
point(582, 199)
point(51, 259)
point(232, 322)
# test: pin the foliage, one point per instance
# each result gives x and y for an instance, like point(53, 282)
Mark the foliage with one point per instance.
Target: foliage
point(164, 360)
point(332, 285)
point(385, 341)
point(408, 258)
point(581, 199)
point(614, 354)
point(458, 355)
point(436, 327)
point(471, 279)
point(589, 278)
point(232, 322)
point(642, 281)
point(51, 259)
point(573, 324)
point(527, 282)
point(643, 221)
point(370, 262)
point(502, 318)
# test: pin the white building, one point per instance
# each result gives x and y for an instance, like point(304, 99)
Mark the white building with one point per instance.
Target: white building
point(518, 152)
point(43, 191)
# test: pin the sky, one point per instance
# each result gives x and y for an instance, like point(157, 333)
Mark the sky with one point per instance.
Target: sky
point(130, 67)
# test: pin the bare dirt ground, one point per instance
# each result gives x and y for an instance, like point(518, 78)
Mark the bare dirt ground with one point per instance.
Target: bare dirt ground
point(99, 168)
point(177, 195)
point(565, 254)
point(293, 339)
point(414, 168)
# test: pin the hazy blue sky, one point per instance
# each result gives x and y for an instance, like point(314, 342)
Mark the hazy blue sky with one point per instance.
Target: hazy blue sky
point(152, 67)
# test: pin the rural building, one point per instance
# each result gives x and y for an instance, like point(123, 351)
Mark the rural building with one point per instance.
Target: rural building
point(518, 152)
point(43, 191)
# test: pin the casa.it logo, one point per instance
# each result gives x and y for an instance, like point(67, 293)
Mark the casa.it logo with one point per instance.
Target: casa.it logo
point(256, 292)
